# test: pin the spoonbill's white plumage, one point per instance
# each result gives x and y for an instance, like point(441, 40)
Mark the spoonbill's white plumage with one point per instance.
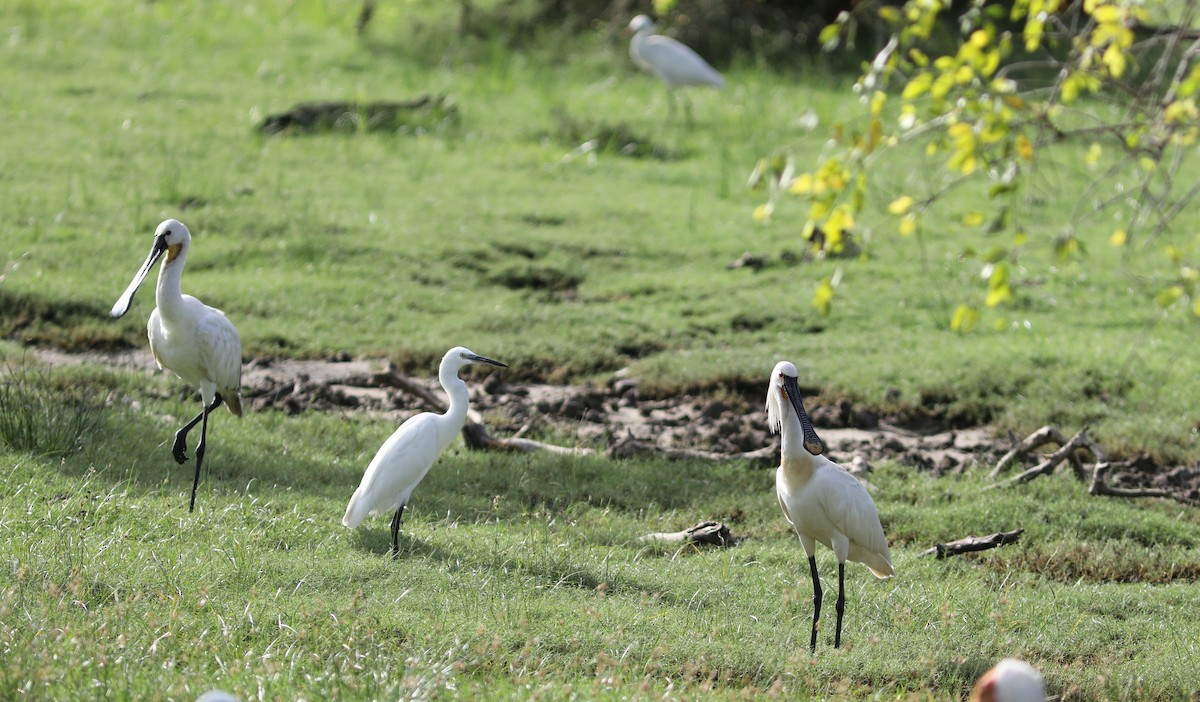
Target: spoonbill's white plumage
point(675, 64)
point(821, 500)
point(1010, 680)
point(404, 459)
point(187, 337)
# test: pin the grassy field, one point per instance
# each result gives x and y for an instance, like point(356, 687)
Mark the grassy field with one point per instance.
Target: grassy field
point(523, 577)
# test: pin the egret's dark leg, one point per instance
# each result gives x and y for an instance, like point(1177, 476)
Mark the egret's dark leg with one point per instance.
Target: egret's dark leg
point(687, 111)
point(179, 448)
point(812, 566)
point(396, 532)
point(840, 605)
point(200, 447)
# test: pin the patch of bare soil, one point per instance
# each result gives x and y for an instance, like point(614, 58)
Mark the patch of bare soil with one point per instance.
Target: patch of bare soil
point(615, 417)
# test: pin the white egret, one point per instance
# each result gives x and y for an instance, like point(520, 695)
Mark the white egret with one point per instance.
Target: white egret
point(1010, 680)
point(404, 459)
point(675, 64)
point(187, 337)
point(820, 499)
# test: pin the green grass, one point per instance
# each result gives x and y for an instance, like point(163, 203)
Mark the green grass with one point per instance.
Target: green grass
point(521, 576)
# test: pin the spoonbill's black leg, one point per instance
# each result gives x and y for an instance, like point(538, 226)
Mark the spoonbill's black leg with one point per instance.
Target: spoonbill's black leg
point(840, 605)
point(179, 448)
point(199, 447)
point(812, 566)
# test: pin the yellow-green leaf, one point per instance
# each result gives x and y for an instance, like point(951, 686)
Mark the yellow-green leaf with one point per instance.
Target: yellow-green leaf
point(823, 297)
point(829, 34)
point(1118, 237)
point(1169, 296)
point(908, 225)
point(1024, 147)
point(964, 319)
point(918, 86)
point(762, 213)
point(901, 205)
point(802, 185)
point(998, 295)
point(973, 219)
point(878, 99)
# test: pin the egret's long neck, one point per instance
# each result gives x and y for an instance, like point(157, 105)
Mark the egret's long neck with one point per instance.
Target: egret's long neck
point(794, 456)
point(635, 44)
point(456, 414)
point(168, 294)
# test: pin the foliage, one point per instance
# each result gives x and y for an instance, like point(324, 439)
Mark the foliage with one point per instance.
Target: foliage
point(48, 414)
point(1021, 85)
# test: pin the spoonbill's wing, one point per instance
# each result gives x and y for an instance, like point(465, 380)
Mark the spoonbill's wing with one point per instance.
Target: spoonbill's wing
point(220, 348)
point(849, 507)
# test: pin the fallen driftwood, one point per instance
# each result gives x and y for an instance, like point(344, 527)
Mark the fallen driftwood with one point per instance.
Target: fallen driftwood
point(424, 112)
point(475, 434)
point(974, 543)
point(1069, 450)
point(709, 532)
point(1037, 439)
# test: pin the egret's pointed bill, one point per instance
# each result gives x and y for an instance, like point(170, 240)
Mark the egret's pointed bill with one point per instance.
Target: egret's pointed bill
point(481, 359)
point(812, 442)
point(126, 299)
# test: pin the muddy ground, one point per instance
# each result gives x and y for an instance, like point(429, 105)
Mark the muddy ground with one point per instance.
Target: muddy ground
point(614, 417)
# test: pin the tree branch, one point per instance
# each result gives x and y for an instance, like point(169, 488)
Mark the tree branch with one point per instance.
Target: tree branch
point(974, 543)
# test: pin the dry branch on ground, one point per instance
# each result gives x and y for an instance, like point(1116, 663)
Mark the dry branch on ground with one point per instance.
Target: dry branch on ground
point(974, 543)
point(707, 532)
point(1070, 450)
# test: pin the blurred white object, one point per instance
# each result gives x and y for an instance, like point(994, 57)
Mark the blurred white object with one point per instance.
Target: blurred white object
point(1010, 680)
point(674, 63)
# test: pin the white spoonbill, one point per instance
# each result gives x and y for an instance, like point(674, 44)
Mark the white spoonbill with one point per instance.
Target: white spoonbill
point(1010, 680)
point(187, 337)
point(675, 64)
point(820, 499)
point(408, 454)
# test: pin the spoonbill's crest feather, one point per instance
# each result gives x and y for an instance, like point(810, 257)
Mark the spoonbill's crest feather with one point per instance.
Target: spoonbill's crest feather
point(775, 403)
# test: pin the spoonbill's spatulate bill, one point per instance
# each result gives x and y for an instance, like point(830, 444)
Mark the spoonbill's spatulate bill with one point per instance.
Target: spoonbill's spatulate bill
point(1010, 680)
point(820, 499)
point(404, 459)
point(675, 64)
point(187, 337)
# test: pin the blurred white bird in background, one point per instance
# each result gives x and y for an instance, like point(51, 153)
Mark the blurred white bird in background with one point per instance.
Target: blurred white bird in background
point(674, 63)
point(404, 459)
point(1010, 680)
point(820, 499)
point(187, 337)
